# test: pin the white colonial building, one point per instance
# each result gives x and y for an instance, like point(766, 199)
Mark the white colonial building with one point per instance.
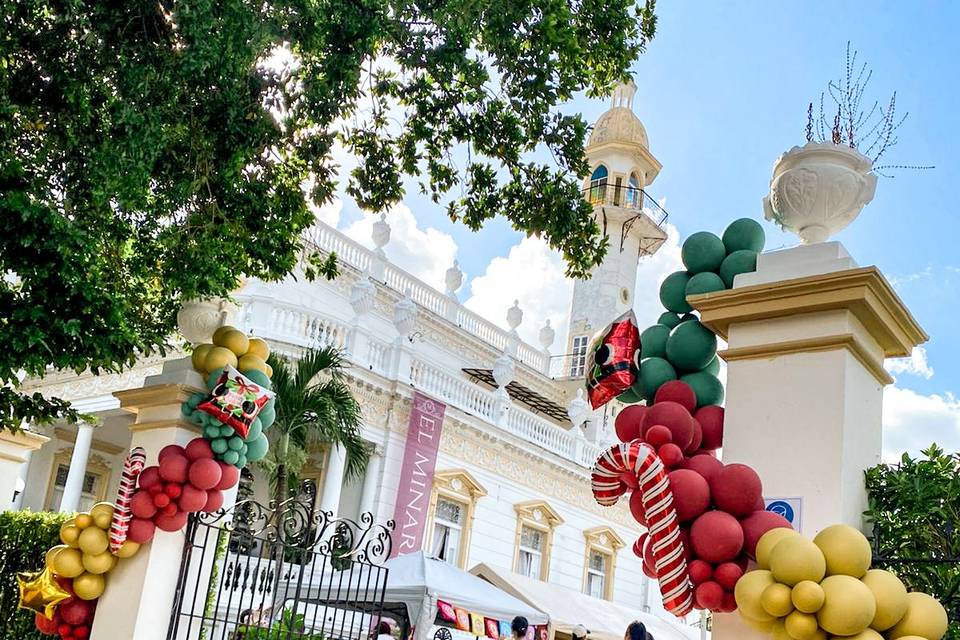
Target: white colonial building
point(511, 489)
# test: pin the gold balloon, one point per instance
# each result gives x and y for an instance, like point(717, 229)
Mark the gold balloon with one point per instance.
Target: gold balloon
point(51, 554)
point(40, 593)
point(236, 341)
point(89, 586)
point(796, 559)
point(128, 550)
point(807, 596)
point(758, 625)
point(775, 600)
point(68, 563)
point(258, 347)
point(778, 631)
point(848, 606)
point(747, 593)
point(199, 355)
point(93, 541)
point(891, 597)
point(220, 332)
point(249, 362)
point(219, 357)
point(100, 563)
point(866, 634)
point(846, 550)
point(925, 617)
point(83, 520)
point(767, 542)
point(801, 626)
point(69, 533)
point(269, 370)
point(102, 514)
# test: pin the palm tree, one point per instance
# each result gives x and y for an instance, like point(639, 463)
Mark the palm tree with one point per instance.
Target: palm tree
point(313, 406)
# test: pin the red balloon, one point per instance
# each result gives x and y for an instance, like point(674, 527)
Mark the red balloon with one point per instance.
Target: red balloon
point(691, 494)
point(229, 476)
point(697, 438)
point(149, 477)
point(76, 611)
point(758, 523)
point(630, 479)
point(679, 392)
point(736, 489)
point(658, 435)
point(173, 522)
point(729, 604)
point(711, 419)
point(161, 500)
point(709, 595)
point(81, 632)
point(705, 452)
point(173, 468)
point(706, 466)
point(649, 564)
point(638, 545)
point(170, 510)
point(636, 508)
point(673, 416)
point(44, 625)
point(716, 537)
point(192, 499)
point(198, 448)
point(671, 455)
point(141, 505)
point(214, 501)
point(170, 449)
point(727, 574)
point(627, 424)
point(64, 630)
point(700, 571)
point(760, 505)
point(685, 541)
point(173, 489)
point(205, 473)
point(141, 530)
point(742, 561)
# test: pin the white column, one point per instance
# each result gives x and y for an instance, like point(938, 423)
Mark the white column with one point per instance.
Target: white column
point(15, 450)
point(371, 482)
point(78, 468)
point(333, 481)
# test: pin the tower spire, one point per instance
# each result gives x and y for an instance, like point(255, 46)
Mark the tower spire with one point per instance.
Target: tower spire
point(623, 95)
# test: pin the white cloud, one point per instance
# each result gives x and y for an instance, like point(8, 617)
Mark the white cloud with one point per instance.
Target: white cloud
point(532, 273)
point(912, 422)
point(426, 253)
point(329, 212)
point(915, 365)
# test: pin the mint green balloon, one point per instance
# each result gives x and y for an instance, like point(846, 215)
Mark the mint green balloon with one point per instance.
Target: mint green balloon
point(226, 430)
point(673, 292)
point(258, 377)
point(703, 251)
point(653, 341)
point(195, 399)
point(691, 346)
point(256, 428)
point(257, 449)
point(241, 461)
point(219, 445)
point(668, 319)
point(211, 433)
point(706, 282)
point(653, 373)
point(741, 261)
point(235, 443)
point(707, 388)
point(267, 415)
point(231, 457)
point(744, 234)
point(213, 378)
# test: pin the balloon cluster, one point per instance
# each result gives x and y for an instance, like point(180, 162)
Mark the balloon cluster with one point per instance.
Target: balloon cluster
point(679, 346)
point(232, 347)
point(720, 507)
point(814, 590)
point(185, 480)
point(71, 620)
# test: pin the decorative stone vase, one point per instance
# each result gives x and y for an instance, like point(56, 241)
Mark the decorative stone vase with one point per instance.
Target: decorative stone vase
point(198, 319)
point(818, 189)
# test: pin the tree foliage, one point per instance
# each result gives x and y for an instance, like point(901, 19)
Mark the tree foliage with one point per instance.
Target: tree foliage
point(154, 152)
point(914, 508)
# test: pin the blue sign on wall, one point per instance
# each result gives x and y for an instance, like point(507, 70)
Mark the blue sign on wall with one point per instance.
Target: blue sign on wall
point(790, 508)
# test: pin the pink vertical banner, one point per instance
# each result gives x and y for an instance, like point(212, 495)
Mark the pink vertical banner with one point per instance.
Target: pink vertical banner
point(416, 474)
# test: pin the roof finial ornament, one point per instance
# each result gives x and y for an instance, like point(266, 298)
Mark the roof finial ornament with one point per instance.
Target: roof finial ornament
point(623, 95)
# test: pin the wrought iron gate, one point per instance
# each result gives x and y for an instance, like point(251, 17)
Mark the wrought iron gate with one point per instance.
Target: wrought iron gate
point(279, 572)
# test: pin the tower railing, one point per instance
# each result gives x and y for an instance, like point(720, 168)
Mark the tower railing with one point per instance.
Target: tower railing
point(601, 192)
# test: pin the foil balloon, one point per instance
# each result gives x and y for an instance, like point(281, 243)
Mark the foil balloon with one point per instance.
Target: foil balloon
point(613, 360)
point(40, 593)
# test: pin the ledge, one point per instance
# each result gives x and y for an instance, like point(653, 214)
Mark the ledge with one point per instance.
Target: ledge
point(133, 400)
point(864, 292)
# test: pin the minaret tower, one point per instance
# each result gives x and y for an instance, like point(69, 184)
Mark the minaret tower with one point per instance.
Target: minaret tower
point(621, 166)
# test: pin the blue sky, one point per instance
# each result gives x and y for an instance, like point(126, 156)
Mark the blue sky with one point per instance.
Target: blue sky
point(723, 90)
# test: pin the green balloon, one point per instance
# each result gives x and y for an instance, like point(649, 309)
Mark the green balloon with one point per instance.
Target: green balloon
point(687, 317)
point(257, 449)
point(258, 377)
point(740, 261)
point(219, 445)
point(226, 430)
point(744, 234)
point(668, 319)
point(231, 457)
point(213, 378)
point(195, 399)
point(267, 415)
point(241, 461)
point(256, 428)
point(673, 292)
point(653, 373)
point(714, 367)
point(707, 388)
point(653, 341)
point(703, 251)
point(691, 346)
point(706, 282)
point(630, 396)
point(235, 443)
point(211, 433)
point(186, 410)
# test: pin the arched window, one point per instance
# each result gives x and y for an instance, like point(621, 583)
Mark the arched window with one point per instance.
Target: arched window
point(634, 194)
point(598, 184)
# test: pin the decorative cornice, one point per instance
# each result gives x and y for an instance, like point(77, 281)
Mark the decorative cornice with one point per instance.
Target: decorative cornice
point(66, 435)
point(157, 395)
point(864, 292)
point(605, 538)
point(460, 482)
point(530, 509)
point(14, 446)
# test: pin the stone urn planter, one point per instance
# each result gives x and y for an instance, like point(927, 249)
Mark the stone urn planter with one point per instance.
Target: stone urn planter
point(198, 319)
point(818, 189)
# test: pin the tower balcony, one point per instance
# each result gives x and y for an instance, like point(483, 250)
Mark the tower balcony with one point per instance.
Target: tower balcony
point(639, 217)
point(600, 193)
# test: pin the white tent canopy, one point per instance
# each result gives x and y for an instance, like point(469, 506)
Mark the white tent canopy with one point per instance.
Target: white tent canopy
point(568, 608)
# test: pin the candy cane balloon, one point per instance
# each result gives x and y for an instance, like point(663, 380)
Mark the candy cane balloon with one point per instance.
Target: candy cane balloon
point(639, 459)
point(132, 467)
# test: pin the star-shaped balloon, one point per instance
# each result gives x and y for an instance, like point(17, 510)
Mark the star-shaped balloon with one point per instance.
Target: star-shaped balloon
point(39, 592)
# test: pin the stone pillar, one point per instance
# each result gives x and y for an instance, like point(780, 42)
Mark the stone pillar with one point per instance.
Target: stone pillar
point(371, 483)
point(504, 373)
point(333, 480)
point(15, 449)
point(807, 335)
point(70, 501)
point(405, 320)
point(139, 598)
